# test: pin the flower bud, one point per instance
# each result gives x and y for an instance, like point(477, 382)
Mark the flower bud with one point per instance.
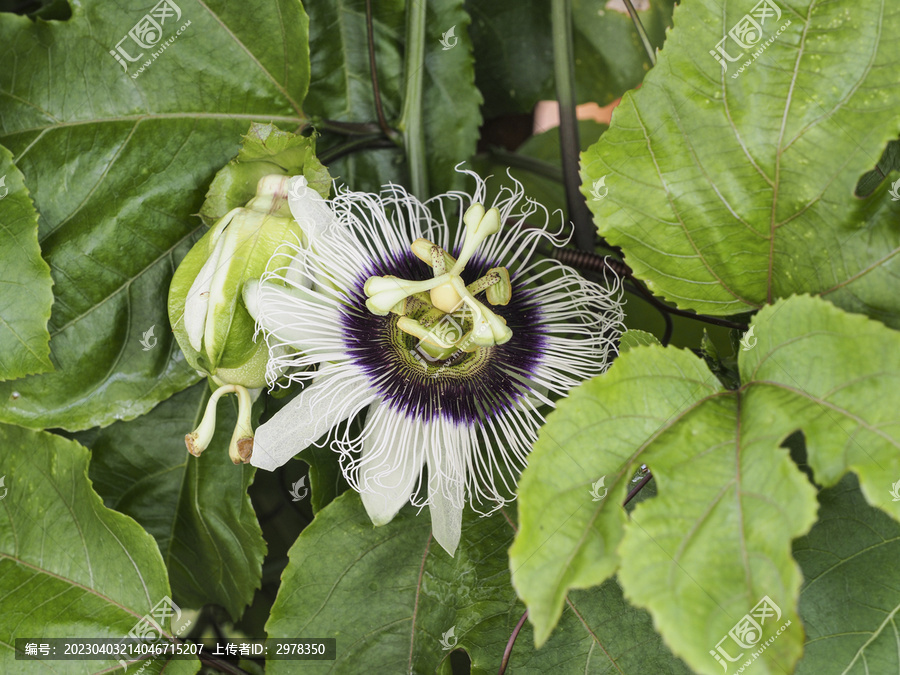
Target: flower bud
point(208, 316)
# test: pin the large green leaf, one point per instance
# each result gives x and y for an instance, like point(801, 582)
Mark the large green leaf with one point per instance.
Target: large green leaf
point(851, 591)
point(717, 537)
point(342, 87)
point(197, 508)
point(69, 567)
point(414, 594)
point(25, 280)
point(117, 165)
point(728, 189)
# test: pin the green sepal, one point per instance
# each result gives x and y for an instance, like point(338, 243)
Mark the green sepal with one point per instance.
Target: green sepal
point(248, 238)
point(265, 150)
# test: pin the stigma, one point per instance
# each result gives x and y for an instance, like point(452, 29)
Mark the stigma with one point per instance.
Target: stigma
point(444, 313)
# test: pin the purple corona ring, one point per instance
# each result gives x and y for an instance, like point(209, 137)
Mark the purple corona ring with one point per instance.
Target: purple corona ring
point(440, 323)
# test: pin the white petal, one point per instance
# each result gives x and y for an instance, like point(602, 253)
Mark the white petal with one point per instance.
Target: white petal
point(196, 305)
point(446, 518)
point(309, 209)
point(334, 396)
point(390, 462)
point(296, 316)
point(446, 486)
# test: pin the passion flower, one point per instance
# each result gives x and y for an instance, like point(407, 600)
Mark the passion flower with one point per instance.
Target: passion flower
point(443, 329)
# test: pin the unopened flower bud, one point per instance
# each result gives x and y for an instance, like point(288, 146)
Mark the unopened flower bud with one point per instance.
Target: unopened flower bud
point(208, 316)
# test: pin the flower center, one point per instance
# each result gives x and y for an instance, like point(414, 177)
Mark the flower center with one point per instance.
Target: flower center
point(443, 313)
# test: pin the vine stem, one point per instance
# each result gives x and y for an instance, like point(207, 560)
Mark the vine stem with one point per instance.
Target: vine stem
point(509, 645)
point(637, 488)
point(536, 166)
point(564, 73)
point(355, 145)
point(641, 32)
point(588, 260)
point(667, 318)
point(373, 70)
point(344, 128)
point(410, 123)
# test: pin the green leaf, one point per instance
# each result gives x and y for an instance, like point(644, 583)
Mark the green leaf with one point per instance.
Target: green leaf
point(723, 199)
point(414, 594)
point(342, 88)
point(566, 538)
point(117, 165)
point(636, 338)
point(70, 567)
point(609, 55)
point(717, 537)
point(325, 476)
point(514, 50)
point(25, 279)
point(850, 596)
point(513, 54)
point(265, 150)
point(341, 84)
point(451, 103)
point(834, 376)
point(197, 508)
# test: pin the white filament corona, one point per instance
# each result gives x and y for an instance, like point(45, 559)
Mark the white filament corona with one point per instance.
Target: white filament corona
point(470, 434)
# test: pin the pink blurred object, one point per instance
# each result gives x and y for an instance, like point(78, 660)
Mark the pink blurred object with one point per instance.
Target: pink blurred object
point(546, 114)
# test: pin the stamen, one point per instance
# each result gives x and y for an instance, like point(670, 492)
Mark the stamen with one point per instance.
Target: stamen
point(423, 250)
point(479, 226)
point(437, 260)
point(499, 293)
point(492, 277)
